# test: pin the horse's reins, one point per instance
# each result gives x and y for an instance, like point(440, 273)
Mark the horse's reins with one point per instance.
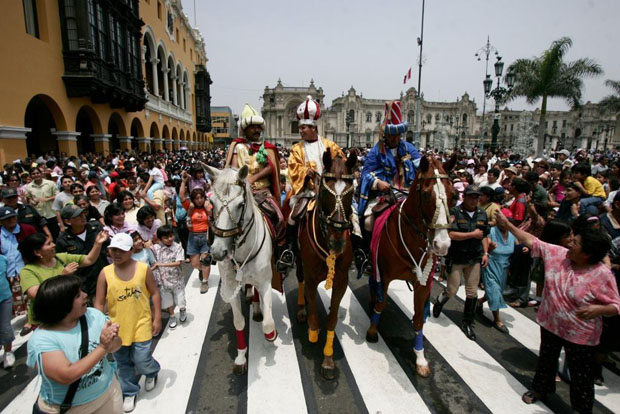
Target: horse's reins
point(328, 220)
point(238, 229)
point(441, 200)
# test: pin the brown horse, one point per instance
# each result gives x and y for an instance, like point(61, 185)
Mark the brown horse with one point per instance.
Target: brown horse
point(325, 250)
point(415, 232)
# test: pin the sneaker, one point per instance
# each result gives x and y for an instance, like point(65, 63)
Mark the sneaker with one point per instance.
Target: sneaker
point(172, 323)
point(9, 360)
point(129, 403)
point(183, 315)
point(204, 287)
point(150, 383)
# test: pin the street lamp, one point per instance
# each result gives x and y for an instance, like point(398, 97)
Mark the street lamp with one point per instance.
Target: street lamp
point(486, 50)
point(498, 94)
point(348, 121)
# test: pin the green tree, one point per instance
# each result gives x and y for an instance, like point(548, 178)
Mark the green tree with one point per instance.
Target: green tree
point(611, 103)
point(549, 76)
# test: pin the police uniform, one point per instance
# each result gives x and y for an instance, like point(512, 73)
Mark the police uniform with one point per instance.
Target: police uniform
point(463, 260)
point(68, 242)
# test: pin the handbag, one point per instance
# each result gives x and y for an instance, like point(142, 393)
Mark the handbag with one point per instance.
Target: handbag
point(66, 404)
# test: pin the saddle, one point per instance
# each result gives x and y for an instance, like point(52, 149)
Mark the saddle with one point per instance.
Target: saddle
point(385, 201)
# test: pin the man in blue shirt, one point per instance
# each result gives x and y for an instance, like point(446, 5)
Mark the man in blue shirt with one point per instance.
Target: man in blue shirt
point(11, 234)
point(391, 164)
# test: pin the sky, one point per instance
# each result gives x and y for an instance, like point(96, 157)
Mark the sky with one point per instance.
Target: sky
point(370, 44)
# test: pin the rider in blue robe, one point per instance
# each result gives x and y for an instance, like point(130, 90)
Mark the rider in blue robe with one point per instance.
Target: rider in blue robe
point(391, 163)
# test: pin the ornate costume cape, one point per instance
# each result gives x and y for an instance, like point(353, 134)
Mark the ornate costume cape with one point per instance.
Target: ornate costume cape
point(297, 164)
point(380, 164)
point(273, 160)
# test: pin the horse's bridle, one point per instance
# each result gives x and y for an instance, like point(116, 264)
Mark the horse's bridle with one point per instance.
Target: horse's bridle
point(239, 228)
point(327, 220)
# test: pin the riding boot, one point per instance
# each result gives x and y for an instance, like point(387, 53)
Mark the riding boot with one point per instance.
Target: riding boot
point(439, 302)
point(468, 317)
point(366, 267)
point(287, 257)
point(358, 250)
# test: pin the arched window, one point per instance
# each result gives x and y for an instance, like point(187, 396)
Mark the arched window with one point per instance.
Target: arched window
point(378, 117)
point(410, 117)
point(429, 119)
point(368, 117)
point(437, 117)
point(464, 119)
point(351, 116)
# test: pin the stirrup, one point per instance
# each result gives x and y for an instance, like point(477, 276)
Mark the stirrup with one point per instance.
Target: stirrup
point(286, 261)
point(360, 257)
point(366, 268)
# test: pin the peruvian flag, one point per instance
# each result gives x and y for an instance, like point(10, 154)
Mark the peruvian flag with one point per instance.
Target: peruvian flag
point(407, 76)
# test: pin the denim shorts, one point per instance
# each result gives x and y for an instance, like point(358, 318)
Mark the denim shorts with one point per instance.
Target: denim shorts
point(197, 244)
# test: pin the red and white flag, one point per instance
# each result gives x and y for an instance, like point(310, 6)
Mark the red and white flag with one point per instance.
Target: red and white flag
point(409, 74)
point(405, 79)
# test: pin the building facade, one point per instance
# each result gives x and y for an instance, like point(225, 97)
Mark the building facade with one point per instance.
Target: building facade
point(224, 125)
point(353, 120)
point(585, 127)
point(100, 75)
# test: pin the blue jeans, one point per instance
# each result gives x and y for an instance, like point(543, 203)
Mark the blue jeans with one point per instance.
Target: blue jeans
point(133, 361)
point(154, 187)
point(590, 205)
point(197, 244)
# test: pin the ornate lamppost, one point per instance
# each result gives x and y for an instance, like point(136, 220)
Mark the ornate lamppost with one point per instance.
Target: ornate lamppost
point(498, 94)
point(348, 121)
point(486, 50)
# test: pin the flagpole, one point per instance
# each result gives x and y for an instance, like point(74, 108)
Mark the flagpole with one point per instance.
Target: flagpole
point(417, 101)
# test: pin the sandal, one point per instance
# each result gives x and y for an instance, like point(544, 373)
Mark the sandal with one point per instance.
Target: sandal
point(518, 304)
point(502, 328)
point(530, 397)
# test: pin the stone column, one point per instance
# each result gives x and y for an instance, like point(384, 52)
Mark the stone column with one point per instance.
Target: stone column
point(144, 144)
point(154, 62)
point(554, 143)
point(182, 97)
point(67, 142)
point(166, 91)
point(125, 143)
point(174, 90)
point(158, 144)
point(13, 143)
point(102, 143)
point(584, 143)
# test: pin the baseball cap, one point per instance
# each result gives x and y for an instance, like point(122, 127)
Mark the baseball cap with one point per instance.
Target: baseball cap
point(70, 211)
point(9, 192)
point(564, 152)
point(113, 174)
point(472, 190)
point(7, 212)
point(122, 241)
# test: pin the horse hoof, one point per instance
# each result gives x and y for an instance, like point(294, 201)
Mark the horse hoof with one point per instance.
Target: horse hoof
point(329, 373)
point(240, 369)
point(372, 338)
point(423, 370)
point(272, 335)
point(302, 317)
point(257, 317)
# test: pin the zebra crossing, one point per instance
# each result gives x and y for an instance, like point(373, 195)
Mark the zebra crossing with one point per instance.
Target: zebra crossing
point(488, 375)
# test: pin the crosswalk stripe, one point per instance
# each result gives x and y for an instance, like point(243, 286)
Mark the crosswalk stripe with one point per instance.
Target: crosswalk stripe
point(475, 366)
point(377, 373)
point(527, 332)
point(178, 351)
point(274, 379)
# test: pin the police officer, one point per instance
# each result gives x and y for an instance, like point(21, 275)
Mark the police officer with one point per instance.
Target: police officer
point(79, 238)
point(468, 252)
point(26, 214)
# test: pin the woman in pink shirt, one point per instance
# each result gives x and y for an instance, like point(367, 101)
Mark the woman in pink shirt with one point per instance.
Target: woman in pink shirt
point(579, 291)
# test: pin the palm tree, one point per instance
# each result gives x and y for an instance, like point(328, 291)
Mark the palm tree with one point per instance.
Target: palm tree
point(548, 76)
point(611, 103)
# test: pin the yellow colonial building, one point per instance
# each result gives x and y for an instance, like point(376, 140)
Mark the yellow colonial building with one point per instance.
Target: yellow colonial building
point(101, 75)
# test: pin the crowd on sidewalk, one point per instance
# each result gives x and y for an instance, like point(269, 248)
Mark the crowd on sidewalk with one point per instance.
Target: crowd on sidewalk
point(122, 225)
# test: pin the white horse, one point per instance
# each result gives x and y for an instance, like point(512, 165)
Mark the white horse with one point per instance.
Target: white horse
point(243, 249)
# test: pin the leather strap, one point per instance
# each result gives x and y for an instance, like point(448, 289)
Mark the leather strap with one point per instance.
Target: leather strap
point(66, 404)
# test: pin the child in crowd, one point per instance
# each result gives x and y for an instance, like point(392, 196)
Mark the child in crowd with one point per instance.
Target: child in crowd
point(592, 191)
point(127, 286)
point(169, 256)
point(6, 313)
point(140, 253)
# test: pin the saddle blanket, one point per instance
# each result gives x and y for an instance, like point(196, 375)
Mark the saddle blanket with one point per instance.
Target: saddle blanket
point(376, 238)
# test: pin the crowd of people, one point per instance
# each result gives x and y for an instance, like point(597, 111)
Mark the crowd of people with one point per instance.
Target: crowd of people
point(97, 229)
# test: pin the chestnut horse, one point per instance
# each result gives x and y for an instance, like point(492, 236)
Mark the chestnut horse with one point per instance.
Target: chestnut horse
point(415, 232)
point(326, 251)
